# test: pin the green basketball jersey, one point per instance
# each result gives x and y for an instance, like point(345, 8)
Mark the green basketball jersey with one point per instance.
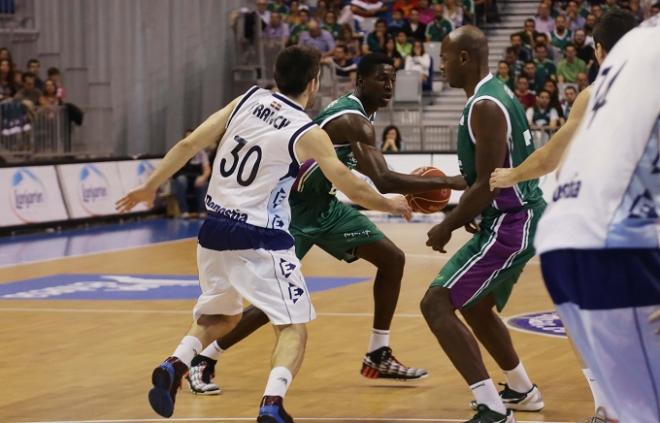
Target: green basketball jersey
point(519, 144)
point(312, 188)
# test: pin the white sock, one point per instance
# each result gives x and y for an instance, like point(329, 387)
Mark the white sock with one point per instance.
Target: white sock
point(278, 382)
point(485, 393)
point(599, 398)
point(518, 380)
point(213, 351)
point(188, 349)
point(379, 338)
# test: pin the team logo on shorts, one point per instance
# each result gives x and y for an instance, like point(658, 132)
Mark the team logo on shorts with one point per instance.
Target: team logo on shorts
point(295, 293)
point(286, 267)
point(541, 323)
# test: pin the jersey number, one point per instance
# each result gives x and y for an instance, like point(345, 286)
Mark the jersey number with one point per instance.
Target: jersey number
point(240, 175)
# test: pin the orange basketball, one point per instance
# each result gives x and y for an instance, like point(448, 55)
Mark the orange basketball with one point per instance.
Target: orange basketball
point(430, 201)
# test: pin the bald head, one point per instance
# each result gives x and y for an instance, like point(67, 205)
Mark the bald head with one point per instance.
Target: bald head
point(472, 40)
point(464, 56)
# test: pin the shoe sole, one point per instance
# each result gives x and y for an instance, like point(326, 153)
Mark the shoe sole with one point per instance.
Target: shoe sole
point(397, 379)
point(205, 393)
point(159, 396)
point(532, 408)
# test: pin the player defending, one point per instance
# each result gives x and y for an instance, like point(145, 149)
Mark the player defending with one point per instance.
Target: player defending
point(492, 132)
point(609, 30)
point(318, 218)
point(245, 250)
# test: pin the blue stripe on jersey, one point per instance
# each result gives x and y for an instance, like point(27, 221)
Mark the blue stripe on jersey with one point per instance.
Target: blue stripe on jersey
point(247, 94)
point(287, 101)
point(295, 166)
point(603, 279)
point(221, 233)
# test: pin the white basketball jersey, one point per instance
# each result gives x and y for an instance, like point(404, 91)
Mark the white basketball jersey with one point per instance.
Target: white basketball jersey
point(608, 188)
point(256, 165)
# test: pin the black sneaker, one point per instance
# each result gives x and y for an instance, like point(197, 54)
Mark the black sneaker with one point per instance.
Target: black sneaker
point(486, 415)
point(166, 379)
point(381, 364)
point(201, 374)
point(272, 410)
point(519, 401)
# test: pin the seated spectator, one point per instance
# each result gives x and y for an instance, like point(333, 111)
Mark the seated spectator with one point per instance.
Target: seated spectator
point(515, 64)
point(553, 7)
point(56, 77)
point(561, 36)
point(610, 5)
point(523, 52)
point(426, 13)
point(570, 94)
point(376, 39)
point(345, 67)
point(405, 6)
point(18, 79)
point(192, 179)
point(398, 23)
point(367, 8)
point(543, 20)
point(570, 66)
point(545, 68)
point(589, 24)
point(5, 54)
point(403, 46)
point(330, 24)
point(50, 97)
point(350, 41)
point(551, 87)
point(34, 67)
point(318, 38)
point(440, 27)
point(263, 12)
point(278, 6)
point(596, 10)
point(503, 74)
point(454, 13)
point(393, 53)
point(7, 89)
point(544, 40)
point(582, 81)
point(293, 18)
point(300, 27)
point(529, 33)
point(417, 29)
point(535, 82)
point(276, 29)
point(524, 95)
point(391, 139)
point(29, 92)
point(419, 61)
point(320, 10)
point(584, 50)
point(542, 116)
point(575, 20)
point(468, 12)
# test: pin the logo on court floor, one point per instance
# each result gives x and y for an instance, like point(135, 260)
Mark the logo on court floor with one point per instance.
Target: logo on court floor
point(541, 323)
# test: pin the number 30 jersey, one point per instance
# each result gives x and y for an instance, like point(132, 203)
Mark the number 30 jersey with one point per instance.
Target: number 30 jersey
point(254, 169)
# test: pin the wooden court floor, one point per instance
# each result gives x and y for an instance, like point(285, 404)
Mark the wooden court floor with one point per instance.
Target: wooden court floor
point(91, 361)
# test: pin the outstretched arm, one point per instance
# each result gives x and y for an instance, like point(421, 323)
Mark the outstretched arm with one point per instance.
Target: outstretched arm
point(547, 158)
point(357, 131)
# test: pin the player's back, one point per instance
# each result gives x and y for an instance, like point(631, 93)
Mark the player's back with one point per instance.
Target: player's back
point(253, 172)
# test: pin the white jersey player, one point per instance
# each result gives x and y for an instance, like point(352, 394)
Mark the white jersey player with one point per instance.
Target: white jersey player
point(245, 250)
point(599, 239)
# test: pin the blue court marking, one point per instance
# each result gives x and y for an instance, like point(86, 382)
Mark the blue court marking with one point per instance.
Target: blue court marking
point(76, 242)
point(546, 323)
point(129, 287)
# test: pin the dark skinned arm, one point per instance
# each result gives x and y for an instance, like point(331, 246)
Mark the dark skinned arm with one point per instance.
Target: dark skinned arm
point(490, 129)
point(357, 131)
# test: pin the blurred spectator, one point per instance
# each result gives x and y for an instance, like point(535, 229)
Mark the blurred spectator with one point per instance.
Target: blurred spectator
point(596, 10)
point(29, 92)
point(575, 20)
point(403, 46)
point(192, 179)
point(406, 6)
point(330, 24)
point(468, 12)
point(7, 89)
point(515, 64)
point(545, 68)
point(655, 9)
point(544, 22)
point(398, 23)
point(542, 115)
point(570, 94)
point(367, 8)
point(276, 29)
point(419, 61)
point(34, 67)
point(610, 5)
point(263, 12)
point(318, 38)
point(5, 54)
point(440, 27)
point(504, 75)
point(524, 95)
point(50, 98)
point(637, 10)
point(535, 82)
point(348, 39)
point(570, 66)
point(590, 23)
point(561, 36)
point(393, 53)
point(454, 12)
point(55, 76)
point(582, 81)
point(300, 27)
point(551, 87)
point(293, 18)
point(278, 6)
point(376, 39)
point(529, 33)
point(320, 10)
point(522, 52)
point(391, 139)
point(584, 50)
point(417, 29)
point(18, 79)
point(426, 13)
point(345, 67)
point(544, 40)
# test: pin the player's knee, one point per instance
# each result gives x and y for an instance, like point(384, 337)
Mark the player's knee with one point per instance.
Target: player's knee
point(434, 304)
point(393, 261)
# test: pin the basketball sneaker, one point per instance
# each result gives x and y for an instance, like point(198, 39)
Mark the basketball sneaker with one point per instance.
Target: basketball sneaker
point(519, 401)
point(201, 374)
point(272, 410)
point(381, 364)
point(486, 415)
point(166, 379)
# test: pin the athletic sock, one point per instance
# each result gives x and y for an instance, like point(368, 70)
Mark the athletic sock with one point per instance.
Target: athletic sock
point(187, 349)
point(599, 398)
point(379, 339)
point(278, 382)
point(518, 380)
point(485, 393)
point(213, 351)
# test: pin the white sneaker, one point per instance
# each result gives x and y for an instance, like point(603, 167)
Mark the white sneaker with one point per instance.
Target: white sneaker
point(519, 401)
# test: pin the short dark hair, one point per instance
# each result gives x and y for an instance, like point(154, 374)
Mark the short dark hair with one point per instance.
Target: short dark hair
point(538, 46)
point(502, 61)
point(541, 91)
point(514, 35)
point(380, 21)
point(612, 26)
point(27, 75)
point(53, 71)
point(570, 45)
point(530, 20)
point(530, 61)
point(295, 66)
point(32, 61)
point(521, 76)
point(510, 50)
point(570, 87)
point(371, 61)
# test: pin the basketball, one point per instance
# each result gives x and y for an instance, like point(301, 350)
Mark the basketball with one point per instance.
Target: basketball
point(430, 201)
